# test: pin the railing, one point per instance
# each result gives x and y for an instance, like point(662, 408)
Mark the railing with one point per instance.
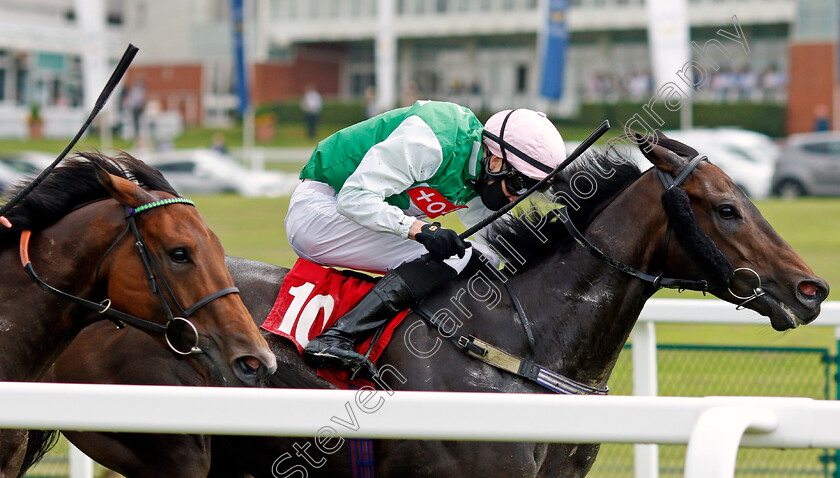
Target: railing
point(704, 424)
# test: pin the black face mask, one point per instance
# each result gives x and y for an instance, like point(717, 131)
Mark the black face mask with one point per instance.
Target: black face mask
point(492, 195)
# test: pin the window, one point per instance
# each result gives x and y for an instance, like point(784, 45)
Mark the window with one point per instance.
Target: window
point(819, 148)
point(522, 79)
point(176, 167)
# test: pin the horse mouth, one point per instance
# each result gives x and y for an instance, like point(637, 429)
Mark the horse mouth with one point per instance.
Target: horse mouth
point(782, 317)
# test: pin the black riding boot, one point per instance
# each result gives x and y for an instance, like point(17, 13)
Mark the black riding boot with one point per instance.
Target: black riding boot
point(398, 289)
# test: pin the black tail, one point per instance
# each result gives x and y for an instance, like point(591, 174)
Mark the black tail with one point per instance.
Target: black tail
point(38, 444)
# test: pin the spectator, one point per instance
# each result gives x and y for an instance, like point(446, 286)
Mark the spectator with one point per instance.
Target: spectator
point(136, 103)
point(311, 105)
point(410, 94)
point(370, 102)
point(821, 120)
point(218, 143)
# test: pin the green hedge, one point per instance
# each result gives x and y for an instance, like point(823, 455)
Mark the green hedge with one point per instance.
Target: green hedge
point(333, 112)
point(765, 118)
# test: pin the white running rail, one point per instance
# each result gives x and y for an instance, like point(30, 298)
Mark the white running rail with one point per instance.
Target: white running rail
point(712, 427)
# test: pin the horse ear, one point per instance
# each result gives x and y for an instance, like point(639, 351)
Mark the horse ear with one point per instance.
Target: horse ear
point(656, 149)
point(124, 191)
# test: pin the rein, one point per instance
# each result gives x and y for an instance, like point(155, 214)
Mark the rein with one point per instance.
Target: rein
point(174, 324)
point(672, 186)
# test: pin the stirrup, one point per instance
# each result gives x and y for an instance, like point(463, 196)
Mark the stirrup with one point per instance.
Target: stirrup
point(367, 369)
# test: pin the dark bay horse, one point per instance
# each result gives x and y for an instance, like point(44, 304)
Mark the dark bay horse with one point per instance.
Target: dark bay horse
point(581, 309)
point(80, 230)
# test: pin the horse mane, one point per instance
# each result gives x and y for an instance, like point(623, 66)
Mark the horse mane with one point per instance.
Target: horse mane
point(73, 185)
point(513, 236)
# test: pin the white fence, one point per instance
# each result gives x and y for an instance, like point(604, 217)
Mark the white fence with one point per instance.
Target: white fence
point(712, 427)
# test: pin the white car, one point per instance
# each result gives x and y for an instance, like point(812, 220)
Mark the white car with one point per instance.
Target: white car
point(752, 175)
point(752, 172)
point(9, 176)
point(29, 163)
point(754, 144)
point(207, 171)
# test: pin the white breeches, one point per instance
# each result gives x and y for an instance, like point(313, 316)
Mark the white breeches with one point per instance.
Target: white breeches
point(318, 233)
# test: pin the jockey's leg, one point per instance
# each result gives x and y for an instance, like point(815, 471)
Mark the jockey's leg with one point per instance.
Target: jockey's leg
point(400, 288)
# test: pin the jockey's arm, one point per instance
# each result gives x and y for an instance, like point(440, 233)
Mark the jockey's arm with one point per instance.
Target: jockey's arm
point(411, 154)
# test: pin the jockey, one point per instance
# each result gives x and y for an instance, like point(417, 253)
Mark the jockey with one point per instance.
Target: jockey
point(366, 189)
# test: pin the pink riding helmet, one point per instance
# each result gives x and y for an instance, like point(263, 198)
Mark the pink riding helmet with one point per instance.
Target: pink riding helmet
point(533, 146)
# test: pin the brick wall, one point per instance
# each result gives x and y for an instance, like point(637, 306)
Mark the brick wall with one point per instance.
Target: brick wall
point(175, 87)
point(319, 65)
point(812, 82)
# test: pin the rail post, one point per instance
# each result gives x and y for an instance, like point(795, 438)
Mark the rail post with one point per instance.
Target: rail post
point(645, 383)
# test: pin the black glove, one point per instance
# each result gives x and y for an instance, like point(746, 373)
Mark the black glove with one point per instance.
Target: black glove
point(440, 242)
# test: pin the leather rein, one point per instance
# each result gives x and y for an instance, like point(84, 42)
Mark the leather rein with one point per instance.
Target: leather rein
point(156, 280)
point(658, 281)
point(553, 381)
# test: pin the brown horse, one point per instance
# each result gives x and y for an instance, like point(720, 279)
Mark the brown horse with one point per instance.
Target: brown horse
point(82, 230)
point(582, 294)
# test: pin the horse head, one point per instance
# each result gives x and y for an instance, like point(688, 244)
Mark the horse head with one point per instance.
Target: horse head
point(191, 281)
point(735, 249)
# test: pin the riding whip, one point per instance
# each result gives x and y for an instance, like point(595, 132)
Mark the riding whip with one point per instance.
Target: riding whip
point(582, 147)
point(116, 76)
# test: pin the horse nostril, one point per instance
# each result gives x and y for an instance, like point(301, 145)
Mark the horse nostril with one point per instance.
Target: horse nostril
point(251, 370)
point(251, 362)
point(808, 288)
point(814, 291)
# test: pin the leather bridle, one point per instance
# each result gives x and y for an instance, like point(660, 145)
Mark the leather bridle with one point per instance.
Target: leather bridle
point(659, 281)
point(174, 322)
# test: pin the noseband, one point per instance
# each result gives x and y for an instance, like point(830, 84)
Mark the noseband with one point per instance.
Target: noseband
point(174, 324)
point(702, 249)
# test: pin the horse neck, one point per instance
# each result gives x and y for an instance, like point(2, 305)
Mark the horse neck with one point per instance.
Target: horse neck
point(37, 326)
point(591, 306)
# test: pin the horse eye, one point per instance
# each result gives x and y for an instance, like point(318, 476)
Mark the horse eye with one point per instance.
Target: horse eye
point(727, 212)
point(179, 255)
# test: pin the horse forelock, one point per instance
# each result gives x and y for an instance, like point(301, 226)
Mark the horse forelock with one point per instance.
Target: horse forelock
point(72, 185)
point(514, 237)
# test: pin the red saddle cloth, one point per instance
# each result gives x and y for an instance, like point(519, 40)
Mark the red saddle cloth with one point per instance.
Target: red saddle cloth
point(313, 298)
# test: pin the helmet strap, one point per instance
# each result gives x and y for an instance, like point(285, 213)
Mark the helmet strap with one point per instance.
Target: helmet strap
point(504, 145)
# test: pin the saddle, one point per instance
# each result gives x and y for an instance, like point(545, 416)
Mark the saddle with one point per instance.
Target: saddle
point(312, 298)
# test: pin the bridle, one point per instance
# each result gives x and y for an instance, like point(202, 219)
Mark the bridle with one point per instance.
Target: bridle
point(174, 323)
point(672, 187)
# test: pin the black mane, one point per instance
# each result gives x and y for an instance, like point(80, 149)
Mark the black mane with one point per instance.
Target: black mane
point(517, 232)
point(74, 184)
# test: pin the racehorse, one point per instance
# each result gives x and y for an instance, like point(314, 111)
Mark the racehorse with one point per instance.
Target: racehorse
point(82, 230)
point(581, 294)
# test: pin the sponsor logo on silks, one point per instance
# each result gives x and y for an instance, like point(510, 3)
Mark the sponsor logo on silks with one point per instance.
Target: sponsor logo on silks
point(431, 202)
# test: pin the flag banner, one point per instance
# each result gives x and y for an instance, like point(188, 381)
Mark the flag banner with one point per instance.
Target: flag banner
point(668, 39)
point(556, 39)
point(239, 55)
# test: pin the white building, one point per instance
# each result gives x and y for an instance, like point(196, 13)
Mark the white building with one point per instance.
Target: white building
point(482, 53)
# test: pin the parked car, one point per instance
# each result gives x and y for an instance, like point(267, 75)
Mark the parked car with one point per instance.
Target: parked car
point(809, 165)
point(29, 163)
point(753, 176)
point(749, 169)
point(760, 147)
point(210, 172)
point(9, 176)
